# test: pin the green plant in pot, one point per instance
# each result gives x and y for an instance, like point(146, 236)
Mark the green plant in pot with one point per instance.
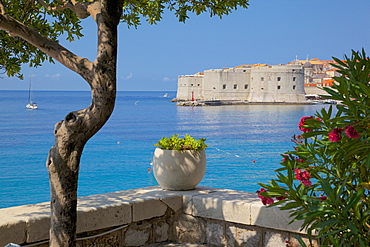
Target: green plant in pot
point(179, 163)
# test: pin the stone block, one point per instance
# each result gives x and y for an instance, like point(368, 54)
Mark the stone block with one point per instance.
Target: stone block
point(137, 235)
point(109, 240)
point(295, 243)
point(90, 219)
point(273, 218)
point(38, 229)
point(160, 230)
point(246, 236)
point(273, 239)
point(144, 209)
point(36, 218)
point(12, 230)
point(215, 233)
point(173, 202)
point(227, 205)
point(187, 197)
point(231, 235)
point(188, 205)
point(189, 229)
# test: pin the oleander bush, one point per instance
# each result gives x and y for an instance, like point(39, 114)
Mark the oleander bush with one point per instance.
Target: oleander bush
point(325, 180)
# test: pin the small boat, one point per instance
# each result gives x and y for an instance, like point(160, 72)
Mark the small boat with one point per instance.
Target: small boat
point(166, 95)
point(31, 105)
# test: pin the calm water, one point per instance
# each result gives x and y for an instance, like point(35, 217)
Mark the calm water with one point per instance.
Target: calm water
point(118, 157)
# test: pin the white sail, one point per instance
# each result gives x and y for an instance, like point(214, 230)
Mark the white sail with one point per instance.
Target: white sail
point(31, 105)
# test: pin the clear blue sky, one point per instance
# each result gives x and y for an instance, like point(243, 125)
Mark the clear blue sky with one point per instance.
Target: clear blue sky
point(270, 31)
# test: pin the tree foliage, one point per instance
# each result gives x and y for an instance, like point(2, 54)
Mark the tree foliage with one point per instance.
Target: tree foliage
point(53, 19)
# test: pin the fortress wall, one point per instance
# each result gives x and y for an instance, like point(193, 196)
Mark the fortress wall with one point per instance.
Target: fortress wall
point(188, 84)
point(212, 84)
point(227, 84)
point(277, 84)
point(274, 83)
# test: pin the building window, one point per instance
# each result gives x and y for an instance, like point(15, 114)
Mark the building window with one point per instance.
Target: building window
point(246, 86)
point(191, 84)
point(293, 78)
point(278, 87)
point(244, 70)
point(198, 85)
point(262, 79)
point(261, 88)
point(279, 78)
point(214, 88)
point(293, 87)
point(224, 86)
point(235, 86)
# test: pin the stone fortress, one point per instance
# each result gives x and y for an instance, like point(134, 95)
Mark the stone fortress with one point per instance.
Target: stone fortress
point(258, 83)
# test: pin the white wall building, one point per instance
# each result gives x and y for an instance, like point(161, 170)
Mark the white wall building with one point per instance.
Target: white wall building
point(252, 83)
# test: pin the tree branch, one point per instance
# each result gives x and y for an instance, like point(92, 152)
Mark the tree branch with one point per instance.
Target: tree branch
point(80, 9)
point(52, 48)
point(2, 8)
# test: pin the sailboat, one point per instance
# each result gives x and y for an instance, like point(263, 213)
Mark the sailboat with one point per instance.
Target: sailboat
point(31, 105)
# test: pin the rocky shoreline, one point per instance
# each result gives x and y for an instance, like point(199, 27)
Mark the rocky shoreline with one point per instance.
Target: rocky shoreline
point(233, 102)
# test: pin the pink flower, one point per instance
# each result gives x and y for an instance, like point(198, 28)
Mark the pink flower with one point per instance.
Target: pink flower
point(260, 191)
point(335, 135)
point(279, 198)
point(299, 160)
point(303, 122)
point(323, 198)
point(265, 200)
point(351, 132)
point(303, 176)
point(306, 182)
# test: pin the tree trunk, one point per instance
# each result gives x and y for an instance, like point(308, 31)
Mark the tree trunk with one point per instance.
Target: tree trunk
point(78, 127)
point(63, 162)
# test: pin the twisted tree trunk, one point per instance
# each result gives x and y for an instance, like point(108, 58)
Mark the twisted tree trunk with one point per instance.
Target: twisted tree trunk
point(78, 127)
point(63, 161)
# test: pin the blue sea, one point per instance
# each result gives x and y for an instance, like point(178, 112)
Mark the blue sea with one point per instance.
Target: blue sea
point(245, 142)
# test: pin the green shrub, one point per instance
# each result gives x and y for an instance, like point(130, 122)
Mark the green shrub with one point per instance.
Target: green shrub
point(325, 181)
point(176, 143)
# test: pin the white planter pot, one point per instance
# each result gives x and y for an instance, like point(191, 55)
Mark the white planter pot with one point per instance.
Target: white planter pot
point(175, 170)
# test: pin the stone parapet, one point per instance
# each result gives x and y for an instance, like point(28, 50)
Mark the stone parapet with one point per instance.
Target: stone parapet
point(146, 216)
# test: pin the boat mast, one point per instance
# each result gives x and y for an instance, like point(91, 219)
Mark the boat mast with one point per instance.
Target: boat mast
point(29, 90)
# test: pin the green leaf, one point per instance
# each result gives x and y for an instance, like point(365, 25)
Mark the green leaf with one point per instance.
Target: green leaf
point(300, 241)
point(290, 205)
point(354, 200)
point(330, 222)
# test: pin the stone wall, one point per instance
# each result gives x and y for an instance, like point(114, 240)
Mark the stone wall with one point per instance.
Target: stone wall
point(190, 86)
point(146, 216)
point(269, 83)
